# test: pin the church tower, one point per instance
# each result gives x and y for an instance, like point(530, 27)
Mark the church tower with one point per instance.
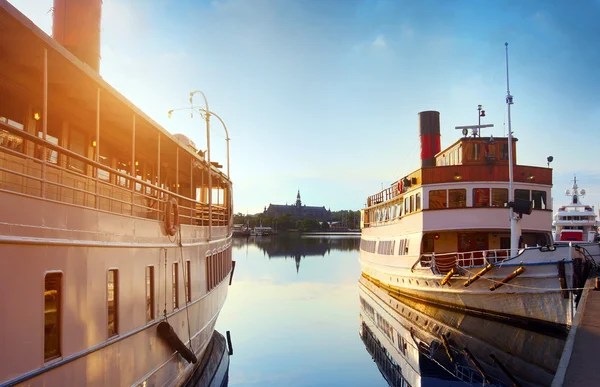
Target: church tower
point(298, 201)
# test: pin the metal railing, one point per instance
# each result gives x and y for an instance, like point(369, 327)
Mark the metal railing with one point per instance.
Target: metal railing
point(56, 179)
point(444, 262)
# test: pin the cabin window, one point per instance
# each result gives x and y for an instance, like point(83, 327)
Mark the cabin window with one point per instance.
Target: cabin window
point(460, 154)
point(406, 206)
point(112, 288)
point(457, 198)
point(9, 140)
point(481, 197)
point(77, 145)
point(149, 293)
point(474, 151)
point(504, 152)
point(437, 198)
point(521, 194)
point(102, 173)
point(175, 286)
point(499, 197)
point(51, 155)
point(451, 157)
point(539, 199)
point(52, 315)
point(122, 167)
point(418, 202)
point(188, 275)
point(412, 203)
point(428, 243)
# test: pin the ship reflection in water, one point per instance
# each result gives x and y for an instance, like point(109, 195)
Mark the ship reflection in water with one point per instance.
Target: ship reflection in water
point(416, 344)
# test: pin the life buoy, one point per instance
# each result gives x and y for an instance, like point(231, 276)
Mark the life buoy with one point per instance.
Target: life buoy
point(172, 217)
point(400, 186)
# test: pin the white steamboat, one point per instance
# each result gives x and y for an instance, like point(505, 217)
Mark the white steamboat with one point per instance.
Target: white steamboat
point(115, 236)
point(471, 229)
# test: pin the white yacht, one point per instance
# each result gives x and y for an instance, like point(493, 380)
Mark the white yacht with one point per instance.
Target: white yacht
point(575, 222)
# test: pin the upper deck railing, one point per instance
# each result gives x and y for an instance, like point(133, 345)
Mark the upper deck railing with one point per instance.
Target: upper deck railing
point(122, 193)
point(458, 174)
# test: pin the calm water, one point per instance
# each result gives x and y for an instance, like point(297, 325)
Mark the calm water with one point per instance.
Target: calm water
point(300, 315)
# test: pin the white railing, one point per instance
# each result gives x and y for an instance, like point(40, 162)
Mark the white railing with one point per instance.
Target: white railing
point(444, 262)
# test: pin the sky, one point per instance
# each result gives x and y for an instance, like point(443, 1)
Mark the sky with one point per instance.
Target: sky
point(323, 96)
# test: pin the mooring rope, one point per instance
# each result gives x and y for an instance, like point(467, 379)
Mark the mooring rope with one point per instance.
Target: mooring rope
point(523, 286)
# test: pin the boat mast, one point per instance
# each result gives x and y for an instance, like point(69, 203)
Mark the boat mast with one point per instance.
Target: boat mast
point(514, 234)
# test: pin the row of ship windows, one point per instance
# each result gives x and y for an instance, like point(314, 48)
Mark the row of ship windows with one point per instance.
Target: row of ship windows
point(579, 217)
point(385, 247)
point(457, 198)
point(217, 269)
point(385, 326)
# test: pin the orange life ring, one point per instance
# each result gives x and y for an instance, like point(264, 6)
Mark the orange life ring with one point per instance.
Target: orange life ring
point(172, 217)
point(400, 186)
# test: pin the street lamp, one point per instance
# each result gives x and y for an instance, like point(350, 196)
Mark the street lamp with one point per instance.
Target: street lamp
point(207, 118)
point(202, 113)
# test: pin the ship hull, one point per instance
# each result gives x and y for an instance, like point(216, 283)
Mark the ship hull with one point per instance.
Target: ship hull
point(533, 297)
point(38, 237)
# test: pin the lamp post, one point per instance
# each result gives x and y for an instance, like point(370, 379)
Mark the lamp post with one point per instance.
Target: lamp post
point(226, 132)
point(481, 114)
point(207, 118)
point(203, 113)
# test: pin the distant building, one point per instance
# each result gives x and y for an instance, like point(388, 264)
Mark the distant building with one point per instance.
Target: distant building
point(298, 211)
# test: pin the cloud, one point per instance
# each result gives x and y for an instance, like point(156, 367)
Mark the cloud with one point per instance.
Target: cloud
point(379, 42)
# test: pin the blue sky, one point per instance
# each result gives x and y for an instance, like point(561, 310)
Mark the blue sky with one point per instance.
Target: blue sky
point(324, 95)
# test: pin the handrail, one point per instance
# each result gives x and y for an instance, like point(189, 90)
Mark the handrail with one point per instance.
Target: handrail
point(83, 184)
point(93, 163)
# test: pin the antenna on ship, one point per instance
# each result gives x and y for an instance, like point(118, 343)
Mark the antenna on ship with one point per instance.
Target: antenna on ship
point(514, 233)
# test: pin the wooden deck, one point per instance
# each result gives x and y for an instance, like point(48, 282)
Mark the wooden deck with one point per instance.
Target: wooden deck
point(581, 369)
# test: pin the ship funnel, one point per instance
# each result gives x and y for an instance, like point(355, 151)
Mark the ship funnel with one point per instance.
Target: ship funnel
point(76, 25)
point(429, 130)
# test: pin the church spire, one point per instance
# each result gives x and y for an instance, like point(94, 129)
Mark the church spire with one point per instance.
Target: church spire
point(298, 201)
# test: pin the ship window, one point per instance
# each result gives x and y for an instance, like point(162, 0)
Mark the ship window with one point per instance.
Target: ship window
point(417, 202)
point(188, 275)
point(521, 194)
point(437, 198)
point(499, 197)
point(539, 199)
point(481, 197)
point(175, 286)
point(406, 206)
point(77, 145)
point(52, 315)
point(457, 198)
point(112, 287)
point(7, 139)
point(51, 155)
point(504, 152)
point(474, 151)
point(149, 293)
point(412, 203)
point(102, 173)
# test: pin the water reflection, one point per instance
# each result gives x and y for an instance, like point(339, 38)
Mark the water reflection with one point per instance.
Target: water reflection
point(416, 344)
point(299, 246)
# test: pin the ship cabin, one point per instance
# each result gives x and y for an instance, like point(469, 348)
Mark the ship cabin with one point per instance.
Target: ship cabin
point(67, 136)
point(457, 202)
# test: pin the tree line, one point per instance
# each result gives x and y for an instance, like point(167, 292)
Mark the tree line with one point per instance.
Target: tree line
point(347, 218)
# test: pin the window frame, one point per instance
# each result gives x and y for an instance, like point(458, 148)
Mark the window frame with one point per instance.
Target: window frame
point(116, 300)
point(175, 287)
point(150, 294)
point(59, 307)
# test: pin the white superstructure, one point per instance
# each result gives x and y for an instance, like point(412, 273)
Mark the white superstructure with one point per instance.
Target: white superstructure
point(575, 222)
